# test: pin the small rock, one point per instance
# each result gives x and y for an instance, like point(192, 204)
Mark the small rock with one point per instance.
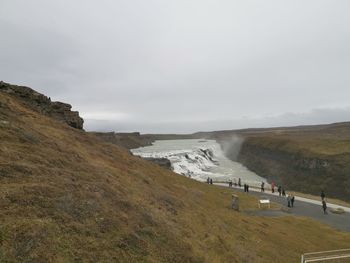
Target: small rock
point(337, 210)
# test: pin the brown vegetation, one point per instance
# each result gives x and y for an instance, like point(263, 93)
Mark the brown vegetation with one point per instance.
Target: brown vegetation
point(67, 196)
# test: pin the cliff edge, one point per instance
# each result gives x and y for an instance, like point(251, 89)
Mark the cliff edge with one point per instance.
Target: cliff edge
point(306, 159)
point(43, 104)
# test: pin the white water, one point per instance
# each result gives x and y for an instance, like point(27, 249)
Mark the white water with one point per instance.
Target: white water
point(199, 159)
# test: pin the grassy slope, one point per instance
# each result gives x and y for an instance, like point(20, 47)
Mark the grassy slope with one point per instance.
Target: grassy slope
point(67, 196)
point(331, 144)
point(330, 140)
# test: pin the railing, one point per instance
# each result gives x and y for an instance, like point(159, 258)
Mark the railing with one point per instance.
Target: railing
point(326, 255)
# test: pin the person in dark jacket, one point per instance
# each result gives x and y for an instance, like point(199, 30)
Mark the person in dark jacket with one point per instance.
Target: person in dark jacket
point(292, 200)
point(211, 181)
point(324, 207)
point(283, 192)
point(279, 189)
point(239, 182)
point(262, 187)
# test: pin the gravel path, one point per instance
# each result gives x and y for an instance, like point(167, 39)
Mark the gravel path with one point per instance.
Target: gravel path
point(306, 207)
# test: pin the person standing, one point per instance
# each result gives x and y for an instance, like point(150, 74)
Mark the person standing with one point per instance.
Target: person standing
point(279, 190)
point(208, 180)
point(324, 207)
point(292, 200)
point(273, 187)
point(239, 182)
point(211, 181)
point(322, 195)
point(262, 187)
point(283, 192)
point(288, 200)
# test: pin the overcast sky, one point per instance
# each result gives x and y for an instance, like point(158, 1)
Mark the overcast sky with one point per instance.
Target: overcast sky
point(183, 66)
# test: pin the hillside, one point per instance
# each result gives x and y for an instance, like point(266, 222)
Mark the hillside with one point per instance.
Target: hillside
point(68, 196)
point(305, 158)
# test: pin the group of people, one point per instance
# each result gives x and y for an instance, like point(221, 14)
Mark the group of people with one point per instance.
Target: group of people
point(281, 192)
point(230, 183)
point(209, 180)
point(291, 199)
point(239, 184)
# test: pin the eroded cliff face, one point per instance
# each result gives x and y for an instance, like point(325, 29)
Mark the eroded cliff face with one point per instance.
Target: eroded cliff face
point(298, 171)
point(41, 103)
point(128, 140)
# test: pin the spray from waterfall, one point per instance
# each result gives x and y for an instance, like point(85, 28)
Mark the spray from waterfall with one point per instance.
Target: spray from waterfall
point(231, 146)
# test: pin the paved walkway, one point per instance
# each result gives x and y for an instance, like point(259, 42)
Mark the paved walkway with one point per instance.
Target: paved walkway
point(306, 207)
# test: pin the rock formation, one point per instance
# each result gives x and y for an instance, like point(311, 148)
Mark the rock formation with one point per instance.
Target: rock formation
point(163, 162)
point(41, 103)
point(129, 140)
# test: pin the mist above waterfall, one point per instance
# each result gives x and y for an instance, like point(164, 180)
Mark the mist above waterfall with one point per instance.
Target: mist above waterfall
point(231, 146)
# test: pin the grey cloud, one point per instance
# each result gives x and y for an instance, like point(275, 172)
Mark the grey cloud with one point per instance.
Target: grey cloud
point(179, 66)
point(313, 117)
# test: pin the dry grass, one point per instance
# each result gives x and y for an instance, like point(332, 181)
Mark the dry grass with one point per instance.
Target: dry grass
point(66, 196)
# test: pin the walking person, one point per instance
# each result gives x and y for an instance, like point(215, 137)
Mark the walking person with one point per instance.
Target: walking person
point(247, 188)
point(262, 187)
point(211, 181)
point(283, 192)
point(292, 200)
point(324, 207)
point(322, 195)
point(279, 190)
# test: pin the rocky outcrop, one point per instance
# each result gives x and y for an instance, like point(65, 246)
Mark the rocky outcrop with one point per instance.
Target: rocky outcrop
point(163, 162)
point(39, 102)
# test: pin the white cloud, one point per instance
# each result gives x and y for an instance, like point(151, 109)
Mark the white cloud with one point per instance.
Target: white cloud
point(105, 116)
